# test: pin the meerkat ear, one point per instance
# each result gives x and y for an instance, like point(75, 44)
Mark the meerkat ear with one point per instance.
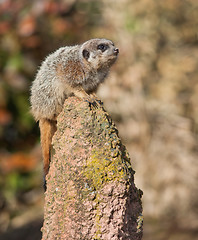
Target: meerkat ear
point(85, 54)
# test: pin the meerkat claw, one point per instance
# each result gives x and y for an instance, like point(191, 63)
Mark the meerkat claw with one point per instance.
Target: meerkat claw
point(92, 103)
point(99, 101)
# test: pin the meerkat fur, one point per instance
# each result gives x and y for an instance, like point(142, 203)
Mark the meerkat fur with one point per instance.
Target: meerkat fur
point(75, 70)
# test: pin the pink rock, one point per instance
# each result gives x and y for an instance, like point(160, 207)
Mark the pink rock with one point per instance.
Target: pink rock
point(90, 186)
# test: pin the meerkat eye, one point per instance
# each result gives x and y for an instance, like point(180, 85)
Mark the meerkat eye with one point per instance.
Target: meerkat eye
point(102, 47)
point(85, 54)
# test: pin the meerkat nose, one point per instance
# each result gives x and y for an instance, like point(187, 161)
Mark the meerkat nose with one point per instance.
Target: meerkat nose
point(116, 51)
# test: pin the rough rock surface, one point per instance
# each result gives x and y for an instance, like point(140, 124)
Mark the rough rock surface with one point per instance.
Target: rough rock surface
point(90, 186)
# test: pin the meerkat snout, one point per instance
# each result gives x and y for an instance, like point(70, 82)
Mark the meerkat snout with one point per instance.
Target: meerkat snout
point(116, 51)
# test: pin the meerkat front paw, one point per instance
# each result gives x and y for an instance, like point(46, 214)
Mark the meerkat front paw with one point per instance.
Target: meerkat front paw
point(90, 98)
point(92, 102)
point(95, 97)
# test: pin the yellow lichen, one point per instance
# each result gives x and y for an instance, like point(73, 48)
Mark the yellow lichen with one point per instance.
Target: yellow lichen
point(100, 169)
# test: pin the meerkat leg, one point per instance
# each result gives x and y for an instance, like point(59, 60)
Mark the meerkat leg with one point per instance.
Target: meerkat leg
point(80, 92)
point(93, 95)
point(47, 130)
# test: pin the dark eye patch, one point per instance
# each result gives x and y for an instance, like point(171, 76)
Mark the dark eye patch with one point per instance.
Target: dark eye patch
point(85, 54)
point(102, 47)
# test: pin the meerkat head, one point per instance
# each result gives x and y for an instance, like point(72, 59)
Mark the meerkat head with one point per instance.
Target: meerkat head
point(99, 53)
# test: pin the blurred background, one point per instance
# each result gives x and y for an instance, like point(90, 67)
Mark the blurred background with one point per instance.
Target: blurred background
point(151, 94)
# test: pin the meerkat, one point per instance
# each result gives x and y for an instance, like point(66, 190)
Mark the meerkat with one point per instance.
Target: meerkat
point(72, 70)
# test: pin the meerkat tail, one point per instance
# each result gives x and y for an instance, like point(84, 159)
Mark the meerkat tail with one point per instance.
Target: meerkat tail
point(47, 130)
